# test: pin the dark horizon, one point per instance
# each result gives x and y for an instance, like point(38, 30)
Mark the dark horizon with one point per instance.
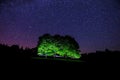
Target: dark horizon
point(15, 55)
point(24, 48)
point(95, 24)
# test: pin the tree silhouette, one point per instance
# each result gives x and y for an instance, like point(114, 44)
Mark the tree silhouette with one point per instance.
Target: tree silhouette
point(17, 55)
point(64, 46)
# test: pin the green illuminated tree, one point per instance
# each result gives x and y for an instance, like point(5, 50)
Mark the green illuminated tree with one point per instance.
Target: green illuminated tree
point(58, 45)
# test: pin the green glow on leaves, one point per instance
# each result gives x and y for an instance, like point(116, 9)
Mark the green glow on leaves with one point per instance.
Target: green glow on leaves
point(50, 46)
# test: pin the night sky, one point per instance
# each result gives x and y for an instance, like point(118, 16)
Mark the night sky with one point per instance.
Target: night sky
point(95, 24)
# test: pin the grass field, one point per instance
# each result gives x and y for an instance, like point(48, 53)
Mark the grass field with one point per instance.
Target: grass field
point(58, 59)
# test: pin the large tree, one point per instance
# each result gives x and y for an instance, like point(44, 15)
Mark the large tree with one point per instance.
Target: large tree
point(64, 46)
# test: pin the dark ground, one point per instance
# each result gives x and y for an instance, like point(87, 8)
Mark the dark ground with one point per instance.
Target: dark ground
point(16, 55)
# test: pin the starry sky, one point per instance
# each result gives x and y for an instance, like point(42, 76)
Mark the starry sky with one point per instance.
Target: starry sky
point(95, 24)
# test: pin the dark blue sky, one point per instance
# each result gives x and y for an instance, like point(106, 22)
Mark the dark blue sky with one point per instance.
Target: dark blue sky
point(95, 24)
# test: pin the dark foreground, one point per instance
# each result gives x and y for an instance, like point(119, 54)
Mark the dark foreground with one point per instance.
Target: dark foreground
point(16, 55)
point(53, 61)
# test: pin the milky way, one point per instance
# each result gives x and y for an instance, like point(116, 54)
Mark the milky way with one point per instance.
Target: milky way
point(95, 24)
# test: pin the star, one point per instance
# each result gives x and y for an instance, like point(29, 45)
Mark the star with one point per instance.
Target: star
point(30, 27)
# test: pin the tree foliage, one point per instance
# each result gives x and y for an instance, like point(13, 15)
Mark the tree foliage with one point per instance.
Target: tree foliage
point(64, 46)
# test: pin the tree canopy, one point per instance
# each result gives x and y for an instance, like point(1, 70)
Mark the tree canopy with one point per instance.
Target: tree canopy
point(64, 46)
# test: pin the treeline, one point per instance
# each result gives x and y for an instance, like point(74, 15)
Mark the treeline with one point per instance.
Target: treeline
point(18, 54)
point(106, 56)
